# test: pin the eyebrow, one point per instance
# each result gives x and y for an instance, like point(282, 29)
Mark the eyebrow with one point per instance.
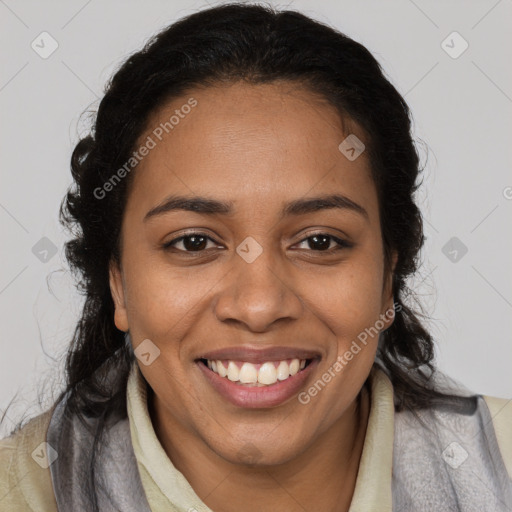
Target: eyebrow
point(207, 206)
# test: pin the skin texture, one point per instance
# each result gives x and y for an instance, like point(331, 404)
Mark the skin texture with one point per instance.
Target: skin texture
point(259, 146)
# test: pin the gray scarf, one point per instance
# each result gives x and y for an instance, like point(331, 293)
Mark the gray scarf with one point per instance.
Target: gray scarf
point(444, 459)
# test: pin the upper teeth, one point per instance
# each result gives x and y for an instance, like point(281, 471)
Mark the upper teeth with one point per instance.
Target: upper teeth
point(267, 373)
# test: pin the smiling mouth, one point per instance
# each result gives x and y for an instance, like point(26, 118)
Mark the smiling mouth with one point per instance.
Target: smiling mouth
point(266, 374)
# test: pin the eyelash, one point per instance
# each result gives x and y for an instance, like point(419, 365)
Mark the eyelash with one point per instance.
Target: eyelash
point(342, 244)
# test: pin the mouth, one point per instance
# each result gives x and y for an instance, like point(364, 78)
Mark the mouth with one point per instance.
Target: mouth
point(257, 378)
point(244, 373)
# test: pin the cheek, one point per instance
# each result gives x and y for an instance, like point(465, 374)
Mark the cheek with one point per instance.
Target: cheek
point(350, 308)
point(355, 291)
point(349, 302)
point(162, 301)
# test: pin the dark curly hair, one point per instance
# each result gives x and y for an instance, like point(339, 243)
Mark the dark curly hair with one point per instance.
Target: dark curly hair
point(256, 44)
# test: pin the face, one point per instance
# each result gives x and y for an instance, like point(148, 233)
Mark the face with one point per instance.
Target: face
point(260, 275)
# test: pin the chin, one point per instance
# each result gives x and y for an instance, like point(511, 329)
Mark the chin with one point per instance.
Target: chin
point(260, 453)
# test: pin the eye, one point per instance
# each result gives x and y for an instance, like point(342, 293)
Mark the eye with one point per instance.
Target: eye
point(192, 242)
point(321, 242)
point(197, 242)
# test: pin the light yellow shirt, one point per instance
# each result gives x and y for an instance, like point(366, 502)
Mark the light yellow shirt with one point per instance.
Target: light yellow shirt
point(25, 485)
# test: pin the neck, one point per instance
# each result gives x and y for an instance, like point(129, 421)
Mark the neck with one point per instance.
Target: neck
point(331, 463)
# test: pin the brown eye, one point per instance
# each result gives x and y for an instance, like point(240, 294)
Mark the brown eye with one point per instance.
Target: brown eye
point(193, 242)
point(321, 242)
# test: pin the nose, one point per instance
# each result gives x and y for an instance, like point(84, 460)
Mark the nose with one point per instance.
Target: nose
point(258, 294)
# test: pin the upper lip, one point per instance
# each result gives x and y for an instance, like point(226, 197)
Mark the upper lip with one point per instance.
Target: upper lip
point(259, 355)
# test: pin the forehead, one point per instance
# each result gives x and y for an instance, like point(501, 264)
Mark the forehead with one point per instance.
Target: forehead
point(258, 143)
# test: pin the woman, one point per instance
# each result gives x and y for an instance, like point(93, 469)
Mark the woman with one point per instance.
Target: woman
point(244, 228)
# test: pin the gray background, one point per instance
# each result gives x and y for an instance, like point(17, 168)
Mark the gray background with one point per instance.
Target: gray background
point(462, 109)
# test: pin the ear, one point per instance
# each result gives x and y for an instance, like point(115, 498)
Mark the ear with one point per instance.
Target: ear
point(118, 296)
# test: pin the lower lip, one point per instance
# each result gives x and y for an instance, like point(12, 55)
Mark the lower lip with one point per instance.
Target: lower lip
point(258, 397)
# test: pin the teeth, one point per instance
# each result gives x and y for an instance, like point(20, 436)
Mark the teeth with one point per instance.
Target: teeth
point(233, 372)
point(248, 374)
point(221, 370)
point(283, 370)
point(294, 366)
point(268, 373)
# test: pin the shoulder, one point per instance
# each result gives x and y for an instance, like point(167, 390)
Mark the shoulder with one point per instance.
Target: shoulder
point(501, 413)
point(25, 481)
